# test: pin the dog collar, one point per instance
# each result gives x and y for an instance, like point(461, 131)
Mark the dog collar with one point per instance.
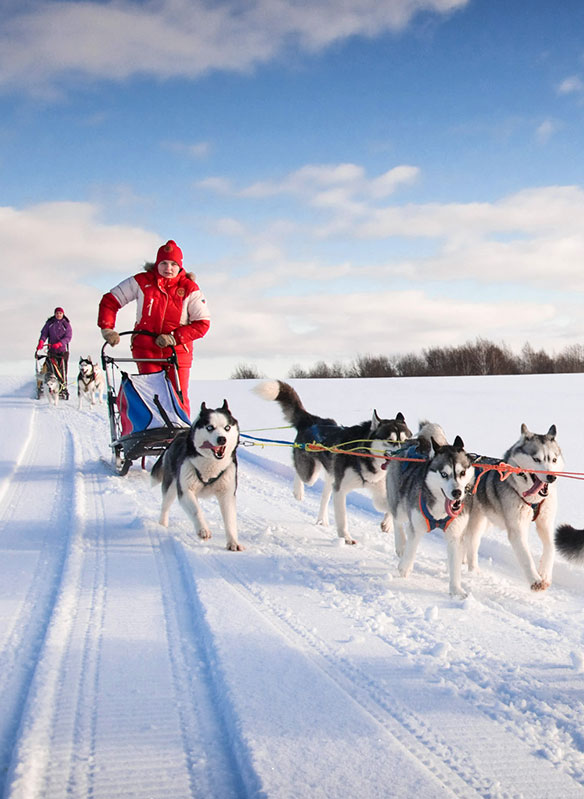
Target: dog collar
point(431, 522)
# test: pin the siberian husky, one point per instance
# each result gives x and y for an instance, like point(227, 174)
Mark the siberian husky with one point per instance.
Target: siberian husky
point(90, 382)
point(52, 386)
point(433, 493)
point(342, 471)
point(202, 462)
point(517, 500)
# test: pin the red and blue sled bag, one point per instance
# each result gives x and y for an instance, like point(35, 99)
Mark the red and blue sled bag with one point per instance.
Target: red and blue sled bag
point(148, 402)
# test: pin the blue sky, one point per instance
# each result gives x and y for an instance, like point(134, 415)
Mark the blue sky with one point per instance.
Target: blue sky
point(345, 178)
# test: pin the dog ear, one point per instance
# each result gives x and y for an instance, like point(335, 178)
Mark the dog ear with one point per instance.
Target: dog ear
point(525, 431)
point(375, 420)
point(458, 443)
point(424, 446)
point(225, 406)
point(399, 417)
point(203, 407)
point(435, 445)
point(551, 433)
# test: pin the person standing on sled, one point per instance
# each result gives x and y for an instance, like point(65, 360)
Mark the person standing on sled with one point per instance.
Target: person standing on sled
point(169, 303)
point(57, 333)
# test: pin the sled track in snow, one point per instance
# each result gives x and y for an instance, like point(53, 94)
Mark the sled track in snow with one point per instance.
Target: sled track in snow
point(61, 696)
point(204, 714)
point(460, 777)
point(29, 628)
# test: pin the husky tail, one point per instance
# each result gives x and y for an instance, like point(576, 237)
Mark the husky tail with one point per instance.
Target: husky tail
point(157, 471)
point(289, 401)
point(570, 542)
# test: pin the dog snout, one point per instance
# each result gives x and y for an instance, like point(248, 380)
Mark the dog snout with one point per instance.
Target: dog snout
point(221, 440)
point(550, 478)
point(456, 493)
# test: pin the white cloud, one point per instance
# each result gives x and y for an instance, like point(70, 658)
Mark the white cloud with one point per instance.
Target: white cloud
point(571, 85)
point(53, 253)
point(546, 130)
point(197, 150)
point(267, 302)
point(341, 187)
point(42, 42)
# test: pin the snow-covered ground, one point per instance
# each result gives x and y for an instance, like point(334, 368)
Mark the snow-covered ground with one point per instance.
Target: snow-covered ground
point(140, 662)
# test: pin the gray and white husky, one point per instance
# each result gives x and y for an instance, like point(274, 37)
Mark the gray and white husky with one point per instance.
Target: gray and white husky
point(342, 471)
point(52, 386)
point(202, 462)
point(90, 382)
point(429, 494)
point(517, 500)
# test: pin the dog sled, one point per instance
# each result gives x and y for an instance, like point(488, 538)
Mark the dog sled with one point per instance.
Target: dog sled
point(145, 410)
point(46, 363)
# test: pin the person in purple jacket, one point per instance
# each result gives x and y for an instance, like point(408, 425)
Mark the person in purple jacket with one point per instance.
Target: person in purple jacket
point(57, 334)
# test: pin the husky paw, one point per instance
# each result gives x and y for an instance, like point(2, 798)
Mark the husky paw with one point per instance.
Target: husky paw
point(163, 521)
point(458, 593)
point(404, 571)
point(233, 546)
point(322, 521)
point(350, 541)
point(204, 535)
point(386, 524)
point(540, 585)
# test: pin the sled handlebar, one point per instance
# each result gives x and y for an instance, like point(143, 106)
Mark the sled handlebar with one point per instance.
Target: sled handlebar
point(172, 359)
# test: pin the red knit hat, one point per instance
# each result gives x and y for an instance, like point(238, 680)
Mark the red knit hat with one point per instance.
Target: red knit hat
point(169, 252)
point(57, 310)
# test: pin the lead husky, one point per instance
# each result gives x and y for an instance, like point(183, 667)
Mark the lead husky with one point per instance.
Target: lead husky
point(202, 462)
point(433, 493)
point(519, 499)
point(90, 382)
point(342, 472)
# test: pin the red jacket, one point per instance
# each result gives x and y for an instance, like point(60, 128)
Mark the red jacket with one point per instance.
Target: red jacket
point(164, 305)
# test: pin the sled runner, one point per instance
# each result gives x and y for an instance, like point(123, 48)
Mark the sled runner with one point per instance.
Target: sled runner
point(145, 411)
point(45, 363)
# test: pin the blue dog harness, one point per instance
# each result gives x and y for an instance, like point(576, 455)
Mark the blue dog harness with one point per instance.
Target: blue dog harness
point(431, 522)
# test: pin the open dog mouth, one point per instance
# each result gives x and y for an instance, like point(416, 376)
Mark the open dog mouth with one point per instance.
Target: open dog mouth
point(538, 487)
point(218, 450)
point(452, 506)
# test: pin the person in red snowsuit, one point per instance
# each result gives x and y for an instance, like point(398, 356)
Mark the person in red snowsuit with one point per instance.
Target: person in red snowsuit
point(169, 303)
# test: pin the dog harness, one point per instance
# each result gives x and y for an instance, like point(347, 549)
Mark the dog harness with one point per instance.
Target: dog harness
point(212, 480)
point(431, 522)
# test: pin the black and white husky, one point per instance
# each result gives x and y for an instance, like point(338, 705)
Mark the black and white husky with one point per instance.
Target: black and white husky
point(202, 462)
point(356, 467)
point(90, 382)
point(431, 491)
point(52, 387)
point(517, 500)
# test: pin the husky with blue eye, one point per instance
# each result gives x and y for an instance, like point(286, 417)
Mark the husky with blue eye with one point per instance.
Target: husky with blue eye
point(429, 489)
point(202, 462)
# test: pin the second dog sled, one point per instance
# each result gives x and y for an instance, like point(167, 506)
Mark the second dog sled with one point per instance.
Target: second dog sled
point(145, 410)
point(49, 363)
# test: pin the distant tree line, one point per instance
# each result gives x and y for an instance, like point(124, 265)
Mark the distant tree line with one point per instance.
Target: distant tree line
point(479, 357)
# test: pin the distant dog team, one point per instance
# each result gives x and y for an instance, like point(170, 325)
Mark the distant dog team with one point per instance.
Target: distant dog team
point(90, 382)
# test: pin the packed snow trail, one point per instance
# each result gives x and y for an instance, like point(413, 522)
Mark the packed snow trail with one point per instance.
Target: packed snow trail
point(140, 662)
